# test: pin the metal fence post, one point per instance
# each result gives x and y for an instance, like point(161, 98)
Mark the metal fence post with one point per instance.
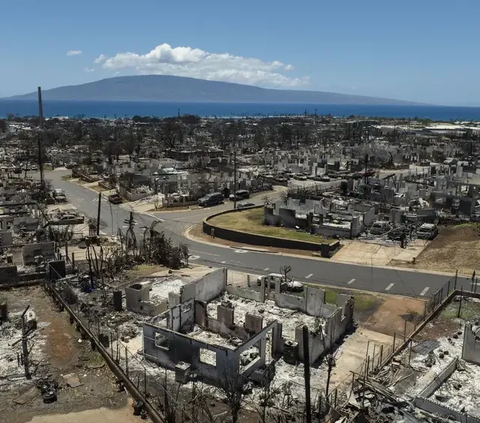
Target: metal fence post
point(126, 361)
point(145, 381)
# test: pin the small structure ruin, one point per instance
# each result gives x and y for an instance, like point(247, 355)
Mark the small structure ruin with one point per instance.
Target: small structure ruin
point(217, 332)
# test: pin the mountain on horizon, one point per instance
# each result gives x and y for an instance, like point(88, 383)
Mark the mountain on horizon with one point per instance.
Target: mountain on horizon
point(181, 89)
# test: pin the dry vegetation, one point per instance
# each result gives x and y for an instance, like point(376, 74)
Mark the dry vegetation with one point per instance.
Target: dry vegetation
point(455, 248)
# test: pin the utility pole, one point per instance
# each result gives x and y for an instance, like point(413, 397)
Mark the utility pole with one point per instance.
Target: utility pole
point(98, 213)
point(235, 175)
point(331, 363)
point(25, 346)
point(306, 366)
point(40, 123)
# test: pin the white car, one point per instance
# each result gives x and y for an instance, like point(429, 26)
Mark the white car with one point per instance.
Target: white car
point(272, 278)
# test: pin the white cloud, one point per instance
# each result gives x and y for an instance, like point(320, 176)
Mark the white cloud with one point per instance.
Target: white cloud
point(197, 63)
point(100, 59)
point(74, 52)
point(89, 70)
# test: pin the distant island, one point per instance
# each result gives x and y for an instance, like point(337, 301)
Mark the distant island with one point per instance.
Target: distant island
point(180, 89)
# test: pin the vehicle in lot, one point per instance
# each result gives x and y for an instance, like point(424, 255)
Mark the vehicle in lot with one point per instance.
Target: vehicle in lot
point(427, 231)
point(115, 199)
point(211, 199)
point(272, 278)
point(59, 195)
point(396, 234)
point(244, 205)
point(241, 194)
point(379, 227)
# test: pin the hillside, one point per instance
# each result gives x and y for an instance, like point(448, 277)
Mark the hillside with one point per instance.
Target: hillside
point(180, 89)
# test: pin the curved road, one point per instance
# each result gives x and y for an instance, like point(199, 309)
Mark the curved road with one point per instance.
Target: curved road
point(312, 270)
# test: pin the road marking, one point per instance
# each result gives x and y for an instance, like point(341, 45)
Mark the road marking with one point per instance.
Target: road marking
point(223, 262)
point(424, 291)
point(239, 251)
point(266, 269)
point(309, 276)
point(193, 258)
point(389, 287)
point(350, 281)
point(203, 252)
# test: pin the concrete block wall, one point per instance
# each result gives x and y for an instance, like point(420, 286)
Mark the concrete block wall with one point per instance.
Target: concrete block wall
point(471, 344)
point(137, 298)
point(312, 302)
point(437, 408)
point(248, 294)
point(206, 288)
point(8, 274)
point(181, 317)
point(439, 379)
point(45, 249)
point(178, 347)
point(317, 344)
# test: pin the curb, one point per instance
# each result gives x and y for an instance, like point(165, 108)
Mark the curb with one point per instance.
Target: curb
point(187, 235)
point(255, 250)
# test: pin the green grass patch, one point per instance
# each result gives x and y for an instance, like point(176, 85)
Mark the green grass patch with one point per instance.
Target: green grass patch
point(365, 304)
point(469, 310)
point(331, 297)
point(251, 221)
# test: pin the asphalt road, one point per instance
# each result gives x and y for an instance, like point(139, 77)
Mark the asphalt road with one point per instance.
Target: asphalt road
point(312, 270)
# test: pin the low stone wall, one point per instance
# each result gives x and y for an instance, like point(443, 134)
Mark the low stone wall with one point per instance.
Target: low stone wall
point(255, 239)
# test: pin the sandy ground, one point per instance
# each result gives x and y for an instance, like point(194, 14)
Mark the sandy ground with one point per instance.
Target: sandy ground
point(456, 247)
point(367, 253)
point(390, 317)
point(353, 352)
point(98, 415)
point(56, 350)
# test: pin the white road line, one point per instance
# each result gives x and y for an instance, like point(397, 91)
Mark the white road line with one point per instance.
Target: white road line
point(350, 281)
point(389, 287)
point(309, 276)
point(424, 291)
point(223, 262)
point(266, 269)
point(203, 252)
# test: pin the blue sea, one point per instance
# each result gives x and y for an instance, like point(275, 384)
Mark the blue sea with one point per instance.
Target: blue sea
point(120, 109)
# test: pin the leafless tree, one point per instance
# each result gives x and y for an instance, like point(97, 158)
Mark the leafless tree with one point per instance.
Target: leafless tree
point(232, 390)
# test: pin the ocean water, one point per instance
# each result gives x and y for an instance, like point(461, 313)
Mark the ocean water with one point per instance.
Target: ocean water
point(111, 109)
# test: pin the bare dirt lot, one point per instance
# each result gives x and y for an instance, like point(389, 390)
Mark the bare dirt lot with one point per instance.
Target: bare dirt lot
point(392, 315)
point(455, 247)
point(56, 351)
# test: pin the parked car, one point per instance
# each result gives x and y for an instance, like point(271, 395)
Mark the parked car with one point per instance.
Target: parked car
point(115, 199)
point(244, 205)
point(427, 231)
point(396, 234)
point(241, 194)
point(59, 195)
point(379, 227)
point(211, 199)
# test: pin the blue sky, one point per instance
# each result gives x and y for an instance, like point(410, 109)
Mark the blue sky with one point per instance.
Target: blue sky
point(420, 50)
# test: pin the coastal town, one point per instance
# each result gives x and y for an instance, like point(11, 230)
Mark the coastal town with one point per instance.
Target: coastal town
point(273, 269)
